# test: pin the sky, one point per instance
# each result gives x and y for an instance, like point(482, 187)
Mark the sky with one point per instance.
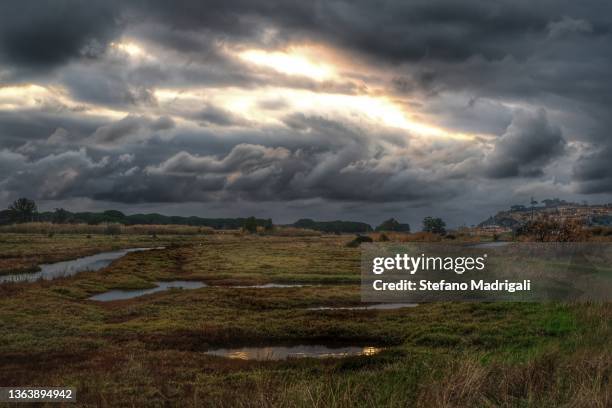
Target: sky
point(359, 110)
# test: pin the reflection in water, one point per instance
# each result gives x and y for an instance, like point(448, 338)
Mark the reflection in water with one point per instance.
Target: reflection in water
point(494, 244)
point(161, 286)
point(378, 306)
point(69, 268)
point(283, 353)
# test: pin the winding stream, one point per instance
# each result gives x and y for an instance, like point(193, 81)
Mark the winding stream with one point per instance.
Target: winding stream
point(69, 268)
point(120, 294)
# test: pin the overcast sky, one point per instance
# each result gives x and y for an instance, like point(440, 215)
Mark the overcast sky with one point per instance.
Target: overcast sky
point(325, 109)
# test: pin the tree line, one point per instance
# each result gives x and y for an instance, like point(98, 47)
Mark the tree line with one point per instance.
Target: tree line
point(25, 210)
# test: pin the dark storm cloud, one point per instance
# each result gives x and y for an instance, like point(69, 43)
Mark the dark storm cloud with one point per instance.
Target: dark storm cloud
point(594, 171)
point(38, 35)
point(106, 86)
point(213, 115)
point(55, 176)
point(243, 157)
point(326, 165)
point(391, 30)
point(128, 129)
point(316, 158)
point(394, 30)
point(18, 128)
point(473, 66)
point(48, 33)
point(527, 146)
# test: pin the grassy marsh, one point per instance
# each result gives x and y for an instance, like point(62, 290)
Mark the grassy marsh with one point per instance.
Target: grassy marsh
point(148, 351)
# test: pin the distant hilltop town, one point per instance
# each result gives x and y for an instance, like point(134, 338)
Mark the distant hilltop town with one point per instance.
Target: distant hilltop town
point(559, 210)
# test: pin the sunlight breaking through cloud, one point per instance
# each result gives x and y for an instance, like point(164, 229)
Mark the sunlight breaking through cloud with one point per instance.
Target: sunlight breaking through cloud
point(290, 63)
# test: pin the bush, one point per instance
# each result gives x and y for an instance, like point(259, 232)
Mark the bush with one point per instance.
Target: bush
point(250, 225)
point(546, 229)
point(112, 229)
point(359, 239)
point(392, 225)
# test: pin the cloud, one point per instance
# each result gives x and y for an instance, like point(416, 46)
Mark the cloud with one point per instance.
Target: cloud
point(38, 35)
point(593, 171)
point(106, 85)
point(340, 166)
point(148, 103)
point(55, 176)
point(568, 25)
point(132, 128)
point(529, 144)
point(213, 115)
point(243, 158)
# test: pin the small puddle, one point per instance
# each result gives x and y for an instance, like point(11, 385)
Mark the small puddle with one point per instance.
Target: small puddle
point(303, 351)
point(69, 268)
point(495, 244)
point(379, 306)
point(161, 286)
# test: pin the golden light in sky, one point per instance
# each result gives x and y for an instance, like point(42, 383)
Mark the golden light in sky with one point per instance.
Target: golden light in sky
point(20, 96)
point(290, 63)
point(369, 107)
point(28, 96)
point(130, 48)
point(374, 110)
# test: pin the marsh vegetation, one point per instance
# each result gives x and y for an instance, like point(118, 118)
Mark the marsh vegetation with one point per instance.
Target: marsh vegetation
point(158, 350)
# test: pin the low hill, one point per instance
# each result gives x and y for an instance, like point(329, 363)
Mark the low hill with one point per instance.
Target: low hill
point(598, 214)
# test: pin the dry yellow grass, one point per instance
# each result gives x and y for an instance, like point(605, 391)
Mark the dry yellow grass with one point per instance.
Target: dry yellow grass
point(295, 232)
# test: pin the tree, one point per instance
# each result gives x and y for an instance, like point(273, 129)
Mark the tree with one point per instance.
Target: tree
point(268, 225)
point(540, 230)
point(61, 216)
point(250, 225)
point(434, 225)
point(393, 225)
point(23, 210)
point(547, 229)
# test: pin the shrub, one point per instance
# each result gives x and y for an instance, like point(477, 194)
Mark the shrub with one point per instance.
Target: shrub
point(434, 225)
point(546, 229)
point(112, 229)
point(359, 239)
point(393, 225)
point(250, 225)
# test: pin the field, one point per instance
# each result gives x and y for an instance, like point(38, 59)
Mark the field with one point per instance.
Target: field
point(149, 351)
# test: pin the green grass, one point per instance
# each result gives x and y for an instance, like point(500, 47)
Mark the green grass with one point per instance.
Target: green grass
point(148, 351)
